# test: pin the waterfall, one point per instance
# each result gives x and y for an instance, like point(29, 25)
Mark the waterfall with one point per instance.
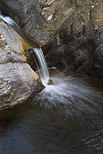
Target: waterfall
point(69, 94)
point(18, 29)
point(73, 94)
point(44, 74)
point(9, 21)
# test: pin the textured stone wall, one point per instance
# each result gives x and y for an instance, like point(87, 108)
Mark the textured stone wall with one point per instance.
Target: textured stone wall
point(41, 19)
point(66, 29)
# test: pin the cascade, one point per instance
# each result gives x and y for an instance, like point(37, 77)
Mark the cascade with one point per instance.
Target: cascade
point(68, 93)
point(9, 21)
point(44, 74)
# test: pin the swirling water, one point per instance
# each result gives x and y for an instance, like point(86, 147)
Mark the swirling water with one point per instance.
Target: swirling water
point(73, 94)
point(45, 127)
point(65, 118)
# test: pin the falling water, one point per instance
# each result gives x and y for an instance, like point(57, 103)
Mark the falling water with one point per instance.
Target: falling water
point(44, 74)
point(73, 94)
point(9, 21)
point(18, 29)
point(69, 93)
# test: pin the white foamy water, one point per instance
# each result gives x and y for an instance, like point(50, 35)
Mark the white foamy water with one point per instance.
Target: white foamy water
point(72, 95)
point(44, 74)
point(68, 93)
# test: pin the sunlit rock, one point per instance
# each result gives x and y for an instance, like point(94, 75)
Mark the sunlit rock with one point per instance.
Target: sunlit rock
point(17, 80)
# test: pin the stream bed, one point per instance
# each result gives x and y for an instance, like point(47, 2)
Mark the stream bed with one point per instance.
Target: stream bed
point(65, 118)
point(71, 127)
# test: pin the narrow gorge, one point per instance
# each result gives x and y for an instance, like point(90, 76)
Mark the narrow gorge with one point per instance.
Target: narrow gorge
point(51, 72)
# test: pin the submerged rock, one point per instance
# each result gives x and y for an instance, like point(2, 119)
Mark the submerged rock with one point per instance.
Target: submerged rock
point(50, 82)
point(17, 80)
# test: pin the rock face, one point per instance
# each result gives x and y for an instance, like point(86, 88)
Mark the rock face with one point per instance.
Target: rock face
point(68, 30)
point(27, 14)
point(97, 67)
point(17, 80)
point(72, 57)
point(42, 18)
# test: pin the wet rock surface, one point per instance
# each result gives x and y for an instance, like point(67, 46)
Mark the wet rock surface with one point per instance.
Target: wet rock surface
point(70, 57)
point(27, 14)
point(70, 32)
point(50, 82)
point(82, 56)
point(17, 80)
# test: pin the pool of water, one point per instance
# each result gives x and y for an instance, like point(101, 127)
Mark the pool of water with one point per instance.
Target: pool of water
point(36, 128)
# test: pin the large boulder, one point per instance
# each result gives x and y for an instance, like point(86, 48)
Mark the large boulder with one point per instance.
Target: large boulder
point(17, 80)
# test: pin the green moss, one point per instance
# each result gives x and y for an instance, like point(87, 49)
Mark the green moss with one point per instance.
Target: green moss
point(8, 96)
point(45, 29)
